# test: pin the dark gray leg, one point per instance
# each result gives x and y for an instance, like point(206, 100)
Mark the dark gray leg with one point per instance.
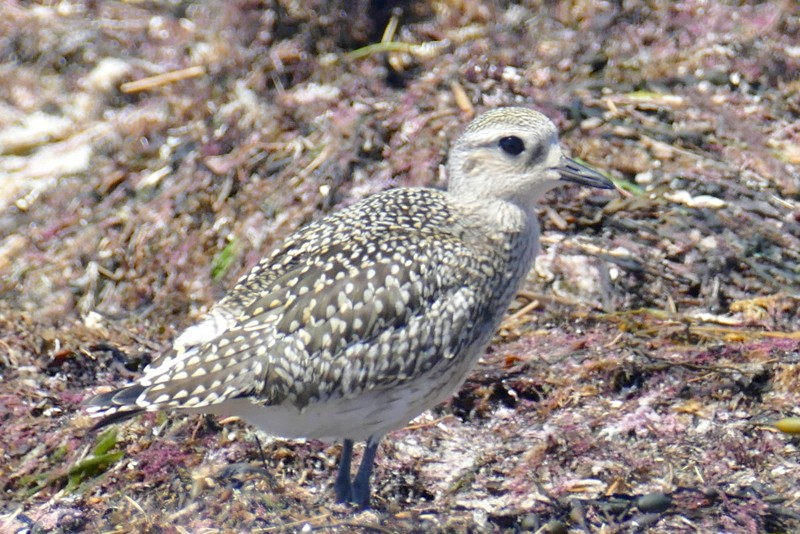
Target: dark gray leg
point(342, 486)
point(361, 482)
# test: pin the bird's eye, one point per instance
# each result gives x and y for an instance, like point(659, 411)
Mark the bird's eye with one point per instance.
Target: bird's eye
point(512, 145)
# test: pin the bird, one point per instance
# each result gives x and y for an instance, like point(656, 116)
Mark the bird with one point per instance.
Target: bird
point(365, 318)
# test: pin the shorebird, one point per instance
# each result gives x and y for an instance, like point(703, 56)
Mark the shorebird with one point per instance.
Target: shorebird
point(364, 319)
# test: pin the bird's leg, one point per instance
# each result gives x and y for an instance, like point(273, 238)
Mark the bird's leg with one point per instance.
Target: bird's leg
point(342, 486)
point(267, 474)
point(361, 481)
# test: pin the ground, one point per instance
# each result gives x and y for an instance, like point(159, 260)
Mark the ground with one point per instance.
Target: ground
point(645, 380)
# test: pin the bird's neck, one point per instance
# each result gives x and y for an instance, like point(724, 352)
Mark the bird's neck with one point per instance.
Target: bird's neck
point(498, 215)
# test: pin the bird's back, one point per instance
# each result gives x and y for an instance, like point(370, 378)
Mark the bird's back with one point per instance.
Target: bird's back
point(397, 293)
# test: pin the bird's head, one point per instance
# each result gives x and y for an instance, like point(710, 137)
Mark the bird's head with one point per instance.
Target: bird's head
point(513, 154)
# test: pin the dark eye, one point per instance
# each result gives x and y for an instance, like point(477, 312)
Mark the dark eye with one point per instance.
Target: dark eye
point(512, 145)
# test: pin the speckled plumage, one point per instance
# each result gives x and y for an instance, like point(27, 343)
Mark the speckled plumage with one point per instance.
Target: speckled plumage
point(364, 319)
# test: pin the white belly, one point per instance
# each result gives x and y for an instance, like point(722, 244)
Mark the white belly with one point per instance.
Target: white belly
point(374, 413)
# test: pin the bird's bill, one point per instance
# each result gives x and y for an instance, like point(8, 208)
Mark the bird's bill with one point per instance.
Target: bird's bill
point(572, 171)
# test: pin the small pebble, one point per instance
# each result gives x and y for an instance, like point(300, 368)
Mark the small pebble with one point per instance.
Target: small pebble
point(654, 502)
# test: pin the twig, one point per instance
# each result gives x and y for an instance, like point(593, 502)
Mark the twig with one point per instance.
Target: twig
point(158, 80)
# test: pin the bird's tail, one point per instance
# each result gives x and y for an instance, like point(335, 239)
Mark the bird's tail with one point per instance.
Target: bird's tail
point(115, 406)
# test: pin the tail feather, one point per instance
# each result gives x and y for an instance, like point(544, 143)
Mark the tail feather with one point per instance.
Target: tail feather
point(115, 406)
point(116, 417)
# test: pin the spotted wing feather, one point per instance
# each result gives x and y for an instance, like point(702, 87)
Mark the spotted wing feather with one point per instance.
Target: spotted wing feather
point(340, 309)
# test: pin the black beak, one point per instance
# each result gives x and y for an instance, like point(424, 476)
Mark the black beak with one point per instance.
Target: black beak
point(572, 171)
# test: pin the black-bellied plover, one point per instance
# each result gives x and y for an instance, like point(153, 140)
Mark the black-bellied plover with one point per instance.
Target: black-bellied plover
point(364, 319)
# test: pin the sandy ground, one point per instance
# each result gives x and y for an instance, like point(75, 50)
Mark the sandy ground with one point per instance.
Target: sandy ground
point(150, 153)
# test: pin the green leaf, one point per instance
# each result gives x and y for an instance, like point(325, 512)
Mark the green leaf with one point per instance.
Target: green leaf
point(90, 467)
point(223, 261)
point(105, 442)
